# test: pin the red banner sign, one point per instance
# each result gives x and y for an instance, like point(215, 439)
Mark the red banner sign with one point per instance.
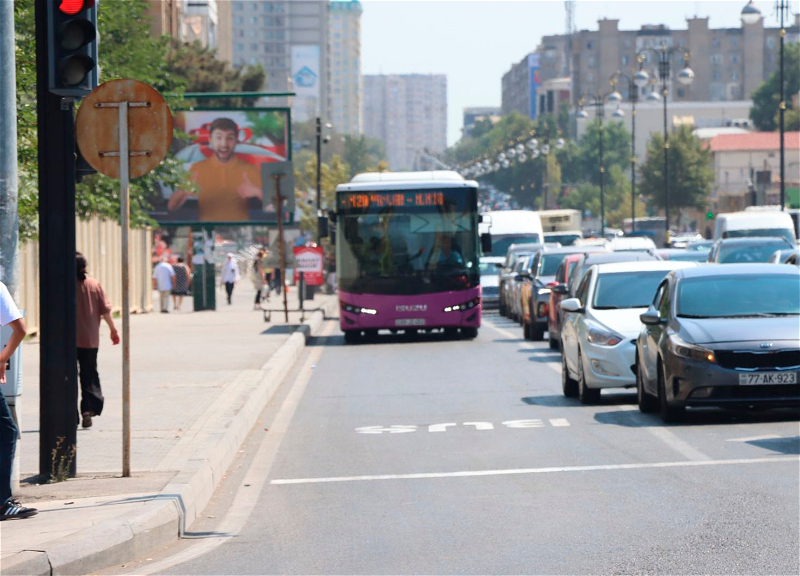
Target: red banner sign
point(310, 261)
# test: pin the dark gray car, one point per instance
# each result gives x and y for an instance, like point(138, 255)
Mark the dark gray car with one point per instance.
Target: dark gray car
point(747, 250)
point(721, 336)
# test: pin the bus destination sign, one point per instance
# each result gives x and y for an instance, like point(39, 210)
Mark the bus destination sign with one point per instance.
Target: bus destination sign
point(390, 199)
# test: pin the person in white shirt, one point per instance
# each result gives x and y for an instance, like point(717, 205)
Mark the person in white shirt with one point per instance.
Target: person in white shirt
point(230, 275)
point(163, 281)
point(10, 315)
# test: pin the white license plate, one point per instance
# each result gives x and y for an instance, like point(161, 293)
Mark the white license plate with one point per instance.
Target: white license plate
point(410, 322)
point(767, 378)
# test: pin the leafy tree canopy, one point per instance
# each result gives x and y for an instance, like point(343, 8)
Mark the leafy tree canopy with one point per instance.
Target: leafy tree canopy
point(767, 97)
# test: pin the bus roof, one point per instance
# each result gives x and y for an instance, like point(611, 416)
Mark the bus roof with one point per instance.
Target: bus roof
point(406, 181)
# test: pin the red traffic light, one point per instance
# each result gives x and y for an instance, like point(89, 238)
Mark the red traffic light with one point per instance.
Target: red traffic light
point(72, 7)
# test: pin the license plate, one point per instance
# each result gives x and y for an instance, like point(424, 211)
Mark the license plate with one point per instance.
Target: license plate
point(755, 378)
point(410, 322)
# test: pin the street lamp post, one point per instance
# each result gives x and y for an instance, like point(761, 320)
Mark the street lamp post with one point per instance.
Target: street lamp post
point(320, 140)
point(685, 77)
point(633, 98)
point(598, 101)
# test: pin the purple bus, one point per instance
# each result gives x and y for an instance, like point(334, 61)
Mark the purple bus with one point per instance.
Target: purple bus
point(407, 254)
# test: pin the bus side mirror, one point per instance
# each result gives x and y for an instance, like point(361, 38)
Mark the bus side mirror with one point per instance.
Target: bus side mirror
point(322, 226)
point(332, 216)
point(486, 243)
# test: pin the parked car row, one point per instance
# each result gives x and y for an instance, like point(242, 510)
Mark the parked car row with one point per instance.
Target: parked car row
point(713, 324)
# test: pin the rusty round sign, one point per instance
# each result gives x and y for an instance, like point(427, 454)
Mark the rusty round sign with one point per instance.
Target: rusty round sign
point(149, 127)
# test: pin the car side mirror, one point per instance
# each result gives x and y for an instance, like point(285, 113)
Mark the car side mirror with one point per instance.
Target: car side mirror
point(560, 289)
point(651, 317)
point(486, 243)
point(572, 305)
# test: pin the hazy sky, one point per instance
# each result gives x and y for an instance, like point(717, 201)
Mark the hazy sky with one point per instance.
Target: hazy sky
point(476, 42)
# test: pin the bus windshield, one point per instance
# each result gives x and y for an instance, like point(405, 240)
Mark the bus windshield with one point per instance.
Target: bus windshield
point(402, 249)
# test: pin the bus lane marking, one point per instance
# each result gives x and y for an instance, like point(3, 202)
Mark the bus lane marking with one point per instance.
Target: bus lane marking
point(447, 426)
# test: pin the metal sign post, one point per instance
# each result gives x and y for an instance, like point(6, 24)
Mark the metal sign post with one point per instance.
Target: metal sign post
point(150, 131)
point(281, 247)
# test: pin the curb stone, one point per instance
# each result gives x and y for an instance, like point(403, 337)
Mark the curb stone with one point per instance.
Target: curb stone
point(165, 518)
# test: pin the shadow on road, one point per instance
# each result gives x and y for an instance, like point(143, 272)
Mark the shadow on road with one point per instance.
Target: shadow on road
point(281, 329)
point(782, 445)
point(551, 401)
point(699, 417)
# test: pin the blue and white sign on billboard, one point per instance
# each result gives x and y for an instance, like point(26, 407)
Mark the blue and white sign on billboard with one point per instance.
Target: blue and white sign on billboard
point(533, 78)
point(306, 80)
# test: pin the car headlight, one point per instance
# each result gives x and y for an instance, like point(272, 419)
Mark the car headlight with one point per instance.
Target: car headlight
point(683, 349)
point(357, 309)
point(465, 306)
point(602, 336)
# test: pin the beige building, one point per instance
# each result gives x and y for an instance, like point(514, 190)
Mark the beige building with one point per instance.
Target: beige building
point(408, 113)
point(204, 21)
point(344, 37)
point(729, 63)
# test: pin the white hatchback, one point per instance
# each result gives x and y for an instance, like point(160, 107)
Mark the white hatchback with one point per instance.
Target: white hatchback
point(601, 324)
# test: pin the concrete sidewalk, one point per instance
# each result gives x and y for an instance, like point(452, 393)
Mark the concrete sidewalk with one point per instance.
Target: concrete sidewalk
point(199, 382)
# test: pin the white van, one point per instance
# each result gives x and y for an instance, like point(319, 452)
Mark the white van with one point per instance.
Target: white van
point(754, 223)
point(509, 227)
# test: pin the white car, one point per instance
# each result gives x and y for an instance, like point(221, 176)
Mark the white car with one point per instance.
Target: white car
point(601, 325)
point(490, 280)
point(631, 244)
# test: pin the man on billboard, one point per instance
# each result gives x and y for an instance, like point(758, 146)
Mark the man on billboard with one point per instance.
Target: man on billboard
point(226, 182)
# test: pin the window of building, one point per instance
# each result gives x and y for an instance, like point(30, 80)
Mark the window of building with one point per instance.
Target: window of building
point(626, 43)
point(269, 21)
point(625, 60)
point(715, 42)
point(239, 6)
point(681, 42)
point(252, 20)
point(716, 75)
point(734, 58)
point(734, 41)
point(681, 92)
point(240, 33)
point(269, 48)
point(770, 42)
point(734, 75)
point(253, 47)
point(253, 6)
point(590, 45)
point(240, 47)
point(716, 59)
point(252, 34)
point(238, 20)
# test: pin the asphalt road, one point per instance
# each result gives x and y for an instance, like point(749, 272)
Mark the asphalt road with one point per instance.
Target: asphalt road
point(462, 457)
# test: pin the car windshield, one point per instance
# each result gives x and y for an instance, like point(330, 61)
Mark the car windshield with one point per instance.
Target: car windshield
point(563, 239)
point(731, 296)
point(760, 232)
point(548, 266)
point(689, 256)
point(489, 269)
point(626, 289)
point(502, 242)
point(744, 253)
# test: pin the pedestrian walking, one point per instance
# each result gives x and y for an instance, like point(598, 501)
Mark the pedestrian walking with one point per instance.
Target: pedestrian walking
point(163, 281)
point(93, 306)
point(181, 287)
point(230, 275)
point(258, 278)
point(10, 508)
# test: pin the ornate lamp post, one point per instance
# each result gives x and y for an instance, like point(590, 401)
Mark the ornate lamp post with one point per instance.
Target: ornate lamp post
point(598, 101)
point(685, 77)
point(633, 98)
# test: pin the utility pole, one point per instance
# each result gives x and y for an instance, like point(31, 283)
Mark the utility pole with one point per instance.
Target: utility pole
point(319, 177)
point(9, 225)
point(58, 380)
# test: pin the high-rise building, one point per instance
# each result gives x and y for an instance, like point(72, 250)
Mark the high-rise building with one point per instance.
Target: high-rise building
point(729, 63)
point(473, 114)
point(344, 37)
point(203, 21)
point(290, 39)
point(408, 113)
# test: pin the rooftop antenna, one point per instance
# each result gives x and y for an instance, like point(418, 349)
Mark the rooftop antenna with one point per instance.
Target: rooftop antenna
point(569, 8)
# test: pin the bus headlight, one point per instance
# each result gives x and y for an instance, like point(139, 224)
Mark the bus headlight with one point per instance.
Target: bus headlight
point(462, 307)
point(357, 309)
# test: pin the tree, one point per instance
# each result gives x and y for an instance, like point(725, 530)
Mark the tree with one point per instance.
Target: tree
point(690, 171)
point(617, 197)
point(581, 163)
point(361, 152)
point(331, 175)
point(767, 97)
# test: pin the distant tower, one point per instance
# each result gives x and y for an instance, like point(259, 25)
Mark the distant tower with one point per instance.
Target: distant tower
point(569, 9)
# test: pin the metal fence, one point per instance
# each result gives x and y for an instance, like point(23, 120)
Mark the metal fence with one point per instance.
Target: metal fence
point(100, 241)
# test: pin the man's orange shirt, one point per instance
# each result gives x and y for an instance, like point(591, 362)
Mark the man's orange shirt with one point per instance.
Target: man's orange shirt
point(218, 200)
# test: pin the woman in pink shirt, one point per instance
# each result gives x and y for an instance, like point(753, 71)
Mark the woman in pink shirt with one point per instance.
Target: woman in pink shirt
point(92, 307)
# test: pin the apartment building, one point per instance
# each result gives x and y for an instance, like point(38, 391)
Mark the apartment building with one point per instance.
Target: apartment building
point(344, 36)
point(729, 63)
point(290, 39)
point(203, 21)
point(408, 112)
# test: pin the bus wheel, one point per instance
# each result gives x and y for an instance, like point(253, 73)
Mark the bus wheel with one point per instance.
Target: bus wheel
point(450, 332)
point(352, 336)
point(469, 333)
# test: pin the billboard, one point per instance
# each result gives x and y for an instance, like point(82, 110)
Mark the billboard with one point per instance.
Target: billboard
point(535, 81)
point(306, 81)
point(223, 151)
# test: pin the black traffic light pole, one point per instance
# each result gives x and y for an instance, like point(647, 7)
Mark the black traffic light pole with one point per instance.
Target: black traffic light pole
point(58, 382)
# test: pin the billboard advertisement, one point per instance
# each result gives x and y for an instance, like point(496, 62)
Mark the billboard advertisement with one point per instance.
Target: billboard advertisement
point(223, 151)
point(533, 75)
point(306, 81)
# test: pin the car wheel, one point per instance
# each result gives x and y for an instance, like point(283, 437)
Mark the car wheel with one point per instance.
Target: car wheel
point(647, 403)
point(585, 394)
point(469, 333)
point(568, 384)
point(352, 336)
point(537, 332)
point(553, 342)
point(669, 414)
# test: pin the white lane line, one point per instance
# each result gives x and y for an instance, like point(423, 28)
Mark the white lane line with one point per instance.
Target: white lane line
point(559, 422)
point(255, 478)
point(751, 438)
point(677, 444)
point(552, 364)
point(470, 473)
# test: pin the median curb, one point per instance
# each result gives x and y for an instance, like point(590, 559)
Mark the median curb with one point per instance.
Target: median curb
point(165, 517)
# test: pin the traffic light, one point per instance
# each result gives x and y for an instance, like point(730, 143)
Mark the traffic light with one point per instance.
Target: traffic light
point(72, 46)
point(709, 215)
